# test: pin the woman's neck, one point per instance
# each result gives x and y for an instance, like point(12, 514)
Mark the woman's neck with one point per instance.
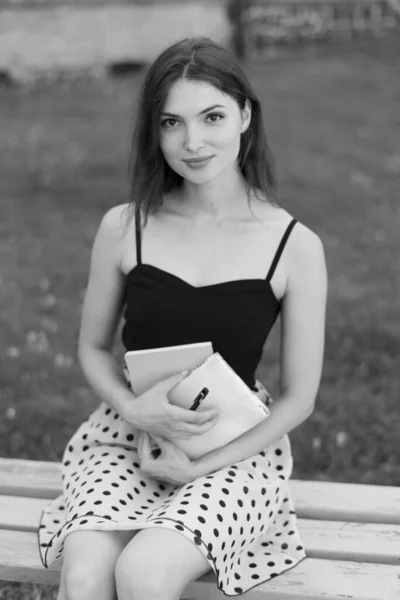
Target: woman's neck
point(224, 198)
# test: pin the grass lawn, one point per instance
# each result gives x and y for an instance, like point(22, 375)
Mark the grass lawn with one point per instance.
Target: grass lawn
point(333, 120)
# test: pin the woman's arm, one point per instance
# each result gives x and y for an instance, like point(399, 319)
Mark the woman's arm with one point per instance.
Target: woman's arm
point(302, 347)
point(101, 312)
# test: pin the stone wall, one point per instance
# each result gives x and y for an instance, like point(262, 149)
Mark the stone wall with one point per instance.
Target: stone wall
point(87, 35)
point(54, 36)
point(287, 21)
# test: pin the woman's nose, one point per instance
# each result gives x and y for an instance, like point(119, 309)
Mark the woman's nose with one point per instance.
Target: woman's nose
point(193, 139)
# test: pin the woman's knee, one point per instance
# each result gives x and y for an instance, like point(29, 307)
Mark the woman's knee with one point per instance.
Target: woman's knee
point(89, 563)
point(134, 580)
point(79, 583)
point(139, 576)
point(158, 564)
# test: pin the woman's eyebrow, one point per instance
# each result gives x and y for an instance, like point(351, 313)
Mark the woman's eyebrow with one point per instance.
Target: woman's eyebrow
point(200, 113)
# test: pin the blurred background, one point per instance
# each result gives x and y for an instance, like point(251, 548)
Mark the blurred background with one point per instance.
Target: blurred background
point(328, 76)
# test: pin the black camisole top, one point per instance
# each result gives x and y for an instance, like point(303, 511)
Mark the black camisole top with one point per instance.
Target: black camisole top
point(161, 309)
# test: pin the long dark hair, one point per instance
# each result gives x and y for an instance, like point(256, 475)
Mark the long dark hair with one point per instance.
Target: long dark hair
point(196, 59)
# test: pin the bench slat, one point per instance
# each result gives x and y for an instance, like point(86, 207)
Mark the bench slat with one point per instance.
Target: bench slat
point(362, 542)
point(39, 479)
point(346, 501)
point(321, 500)
point(312, 579)
point(316, 579)
point(20, 559)
point(21, 514)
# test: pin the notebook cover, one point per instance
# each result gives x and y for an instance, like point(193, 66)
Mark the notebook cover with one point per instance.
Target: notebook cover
point(239, 408)
point(148, 367)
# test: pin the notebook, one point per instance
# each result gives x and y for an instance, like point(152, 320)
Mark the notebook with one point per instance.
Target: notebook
point(214, 384)
point(148, 367)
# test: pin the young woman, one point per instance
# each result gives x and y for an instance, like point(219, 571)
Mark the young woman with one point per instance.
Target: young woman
point(203, 252)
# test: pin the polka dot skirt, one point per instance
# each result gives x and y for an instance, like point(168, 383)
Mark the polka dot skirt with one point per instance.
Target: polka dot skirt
point(241, 517)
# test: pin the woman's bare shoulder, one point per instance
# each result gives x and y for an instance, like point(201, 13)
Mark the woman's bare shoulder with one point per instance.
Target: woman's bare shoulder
point(302, 238)
point(305, 259)
point(304, 247)
point(114, 234)
point(270, 214)
point(117, 219)
point(305, 242)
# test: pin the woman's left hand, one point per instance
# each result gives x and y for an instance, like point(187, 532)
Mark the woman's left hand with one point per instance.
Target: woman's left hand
point(171, 466)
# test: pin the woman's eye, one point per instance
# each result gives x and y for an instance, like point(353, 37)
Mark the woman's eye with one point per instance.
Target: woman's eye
point(215, 115)
point(167, 123)
point(171, 123)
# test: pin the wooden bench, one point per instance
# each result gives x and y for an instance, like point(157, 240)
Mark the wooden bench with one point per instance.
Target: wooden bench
point(351, 533)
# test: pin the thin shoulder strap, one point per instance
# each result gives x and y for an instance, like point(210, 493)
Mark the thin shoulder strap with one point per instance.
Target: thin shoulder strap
point(138, 238)
point(280, 249)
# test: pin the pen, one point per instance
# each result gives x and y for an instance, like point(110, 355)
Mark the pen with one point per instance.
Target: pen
point(199, 398)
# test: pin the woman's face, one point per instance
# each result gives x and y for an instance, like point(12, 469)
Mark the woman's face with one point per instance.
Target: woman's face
point(199, 121)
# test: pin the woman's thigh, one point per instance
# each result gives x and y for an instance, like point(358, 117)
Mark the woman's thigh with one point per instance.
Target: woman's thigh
point(89, 559)
point(159, 562)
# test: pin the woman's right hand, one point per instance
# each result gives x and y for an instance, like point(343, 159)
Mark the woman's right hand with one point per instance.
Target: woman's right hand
point(153, 413)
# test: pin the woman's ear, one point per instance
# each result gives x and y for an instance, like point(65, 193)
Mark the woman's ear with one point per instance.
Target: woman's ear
point(246, 116)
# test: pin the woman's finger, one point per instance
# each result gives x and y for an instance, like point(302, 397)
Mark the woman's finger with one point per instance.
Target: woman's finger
point(192, 416)
point(144, 445)
point(159, 445)
point(160, 441)
point(140, 442)
point(189, 429)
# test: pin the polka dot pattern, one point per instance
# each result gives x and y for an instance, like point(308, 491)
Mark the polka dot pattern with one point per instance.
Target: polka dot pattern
point(241, 517)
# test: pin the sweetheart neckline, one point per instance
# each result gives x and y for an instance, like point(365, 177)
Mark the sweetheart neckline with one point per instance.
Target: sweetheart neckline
point(200, 287)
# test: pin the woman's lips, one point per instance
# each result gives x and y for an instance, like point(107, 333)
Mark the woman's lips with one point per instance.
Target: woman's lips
point(198, 163)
